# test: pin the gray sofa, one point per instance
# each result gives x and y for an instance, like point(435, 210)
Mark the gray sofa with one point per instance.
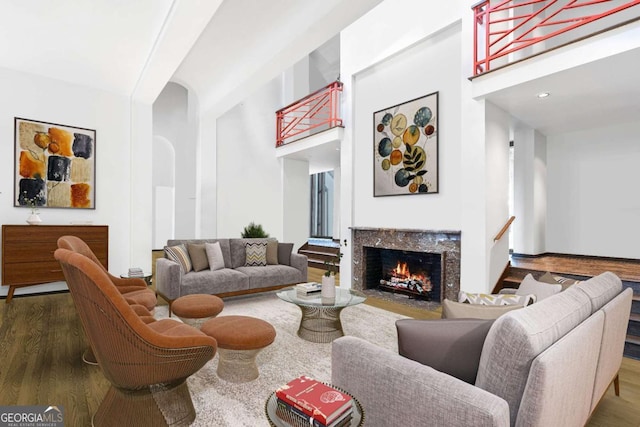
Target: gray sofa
point(234, 279)
point(548, 364)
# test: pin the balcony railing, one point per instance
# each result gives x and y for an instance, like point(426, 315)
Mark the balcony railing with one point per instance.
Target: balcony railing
point(506, 31)
point(319, 109)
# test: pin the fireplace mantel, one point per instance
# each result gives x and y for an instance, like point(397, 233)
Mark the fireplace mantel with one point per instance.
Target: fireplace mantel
point(445, 242)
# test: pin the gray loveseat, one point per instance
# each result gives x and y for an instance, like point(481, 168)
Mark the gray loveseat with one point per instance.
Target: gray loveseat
point(548, 364)
point(235, 278)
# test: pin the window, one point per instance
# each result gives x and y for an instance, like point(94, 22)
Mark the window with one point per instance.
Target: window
point(321, 220)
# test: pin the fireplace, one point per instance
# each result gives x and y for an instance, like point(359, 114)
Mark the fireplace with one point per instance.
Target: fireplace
point(414, 260)
point(415, 274)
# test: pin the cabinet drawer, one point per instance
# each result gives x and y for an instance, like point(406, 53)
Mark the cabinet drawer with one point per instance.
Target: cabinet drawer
point(48, 233)
point(31, 252)
point(35, 272)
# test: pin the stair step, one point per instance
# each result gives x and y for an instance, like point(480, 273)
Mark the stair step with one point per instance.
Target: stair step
point(312, 252)
point(634, 325)
point(633, 339)
point(632, 347)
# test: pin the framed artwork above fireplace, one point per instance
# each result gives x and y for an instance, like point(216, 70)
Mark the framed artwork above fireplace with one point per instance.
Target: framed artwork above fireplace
point(405, 148)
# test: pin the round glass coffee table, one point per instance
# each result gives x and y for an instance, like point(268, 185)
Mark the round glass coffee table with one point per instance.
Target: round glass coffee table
point(321, 316)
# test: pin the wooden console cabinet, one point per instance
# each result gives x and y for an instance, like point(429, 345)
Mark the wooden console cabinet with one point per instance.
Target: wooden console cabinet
point(27, 252)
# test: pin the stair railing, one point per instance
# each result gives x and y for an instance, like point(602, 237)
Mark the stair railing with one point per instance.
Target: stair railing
point(503, 27)
point(504, 229)
point(321, 108)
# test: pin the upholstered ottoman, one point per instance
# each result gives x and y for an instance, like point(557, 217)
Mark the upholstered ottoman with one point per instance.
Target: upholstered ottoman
point(196, 309)
point(240, 339)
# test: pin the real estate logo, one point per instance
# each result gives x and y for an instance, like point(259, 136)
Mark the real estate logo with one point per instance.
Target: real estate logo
point(31, 416)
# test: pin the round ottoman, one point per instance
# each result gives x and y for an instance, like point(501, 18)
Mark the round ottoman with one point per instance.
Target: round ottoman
point(195, 309)
point(240, 339)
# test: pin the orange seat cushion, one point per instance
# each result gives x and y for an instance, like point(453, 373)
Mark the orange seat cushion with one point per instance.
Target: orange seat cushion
point(240, 332)
point(197, 306)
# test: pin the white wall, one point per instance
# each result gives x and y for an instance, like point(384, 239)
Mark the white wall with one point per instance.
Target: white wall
point(249, 186)
point(496, 188)
point(406, 76)
point(593, 208)
point(530, 191)
point(171, 121)
point(296, 202)
point(118, 174)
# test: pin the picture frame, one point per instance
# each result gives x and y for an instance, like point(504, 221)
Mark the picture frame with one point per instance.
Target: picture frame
point(54, 165)
point(405, 148)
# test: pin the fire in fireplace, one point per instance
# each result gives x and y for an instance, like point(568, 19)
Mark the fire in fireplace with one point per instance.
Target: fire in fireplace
point(416, 274)
point(401, 279)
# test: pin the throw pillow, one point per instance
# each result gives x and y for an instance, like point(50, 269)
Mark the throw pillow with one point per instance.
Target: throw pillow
point(452, 346)
point(214, 256)
point(198, 256)
point(180, 255)
point(256, 254)
point(458, 310)
point(284, 253)
point(495, 299)
point(565, 282)
point(272, 252)
point(529, 285)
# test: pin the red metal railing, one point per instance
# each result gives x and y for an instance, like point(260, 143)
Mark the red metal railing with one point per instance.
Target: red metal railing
point(321, 108)
point(503, 27)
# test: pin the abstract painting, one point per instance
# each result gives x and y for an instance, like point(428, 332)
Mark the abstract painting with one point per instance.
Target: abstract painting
point(405, 148)
point(55, 165)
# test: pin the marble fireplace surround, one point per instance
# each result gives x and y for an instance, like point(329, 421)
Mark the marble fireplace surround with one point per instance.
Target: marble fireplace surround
point(444, 242)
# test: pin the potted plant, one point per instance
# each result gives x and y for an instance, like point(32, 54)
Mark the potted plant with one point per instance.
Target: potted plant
point(254, 231)
point(329, 276)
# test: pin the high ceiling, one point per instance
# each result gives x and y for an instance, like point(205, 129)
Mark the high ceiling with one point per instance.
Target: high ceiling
point(133, 47)
point(225, 49)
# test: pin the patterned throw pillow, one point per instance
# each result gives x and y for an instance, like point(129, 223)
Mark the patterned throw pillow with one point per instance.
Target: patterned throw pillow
point(256, 254)
point(565, 282)
point(180, 255)
point(496, 299)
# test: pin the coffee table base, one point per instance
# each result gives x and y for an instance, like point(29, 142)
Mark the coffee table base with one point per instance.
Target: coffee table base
point(320, 324)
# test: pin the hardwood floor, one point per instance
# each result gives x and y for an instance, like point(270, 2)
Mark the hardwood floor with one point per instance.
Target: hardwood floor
point(41, 343)
point(626, 269)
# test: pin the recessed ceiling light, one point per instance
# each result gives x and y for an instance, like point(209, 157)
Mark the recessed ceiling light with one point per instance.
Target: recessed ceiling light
point(543, 94)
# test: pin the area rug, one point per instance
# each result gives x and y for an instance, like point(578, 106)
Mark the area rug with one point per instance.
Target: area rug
point(221, 403)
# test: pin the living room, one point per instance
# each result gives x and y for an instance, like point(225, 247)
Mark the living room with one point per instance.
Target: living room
point(565, 204)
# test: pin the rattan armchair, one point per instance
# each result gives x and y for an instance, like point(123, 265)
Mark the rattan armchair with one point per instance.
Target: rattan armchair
point(146, 363)
point(134, 289)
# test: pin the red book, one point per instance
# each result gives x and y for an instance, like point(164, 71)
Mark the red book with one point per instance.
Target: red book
point(318, 400)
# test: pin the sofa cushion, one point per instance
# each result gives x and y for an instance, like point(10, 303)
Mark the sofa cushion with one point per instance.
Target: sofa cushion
point(450, 346)
point(529, 286)
point(214, 255)
point(272, 252)
point(214, 282)
point(271, 275)
point(180, 255)
point(458, 310)
point(495, 299)
point(284, 253)
point(255, 255)
point(601, 289)
point(518, 337)
point(198, 255)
